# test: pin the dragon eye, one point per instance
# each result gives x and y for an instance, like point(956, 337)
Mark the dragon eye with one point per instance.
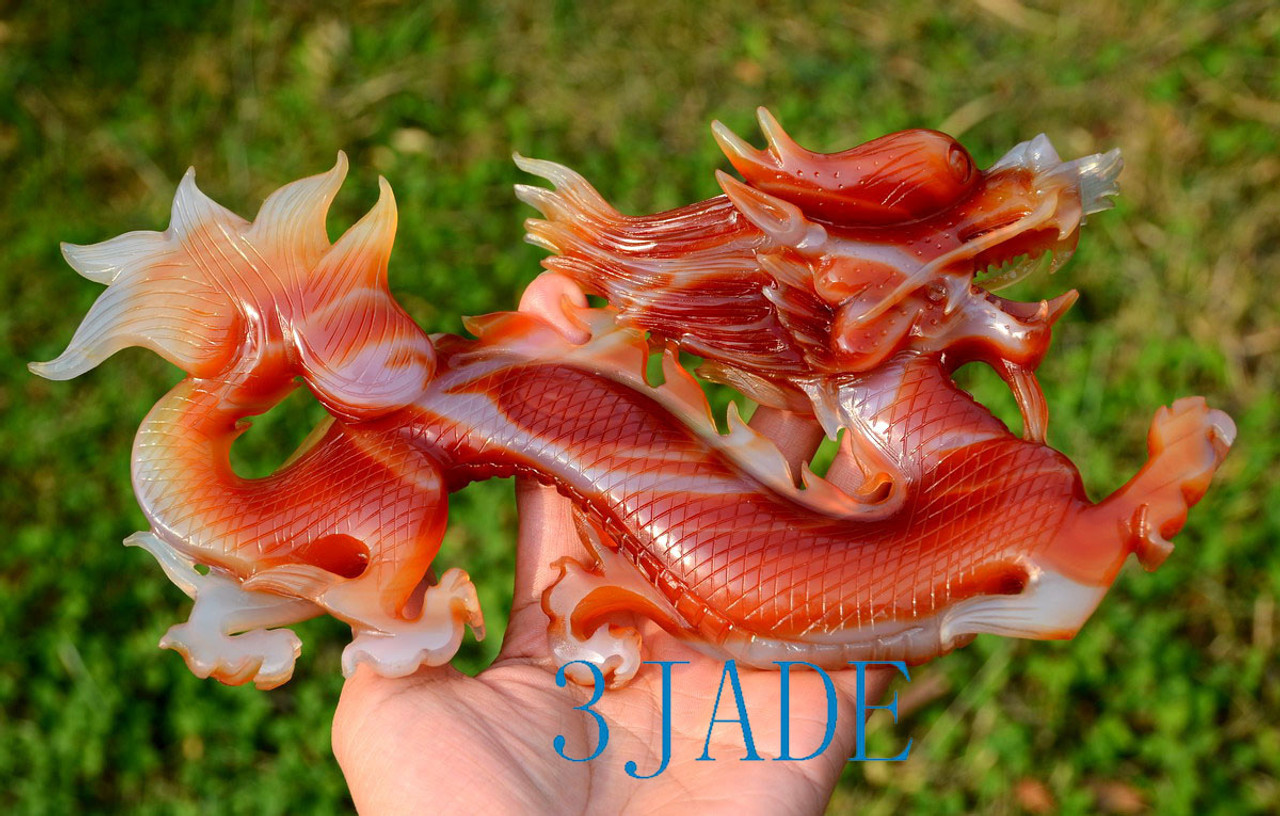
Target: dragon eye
point(961, 163)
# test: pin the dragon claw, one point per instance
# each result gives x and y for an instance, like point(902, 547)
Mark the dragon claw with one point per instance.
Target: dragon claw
point(612, 648)
point(398, 648)
point(230, 634)
point(264, 657)
point(1187, 442)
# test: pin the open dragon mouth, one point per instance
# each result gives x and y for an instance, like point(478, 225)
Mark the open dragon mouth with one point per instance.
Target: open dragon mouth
point(1033, 244)
point(1001, 274)
point(1039, 246)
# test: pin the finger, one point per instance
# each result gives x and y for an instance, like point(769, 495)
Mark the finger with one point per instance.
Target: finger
point(359, 738)
point(376, 720)
point(859, 464)
point(796, 435)
point(875, 682)
point(547, 534)
point(845, 473)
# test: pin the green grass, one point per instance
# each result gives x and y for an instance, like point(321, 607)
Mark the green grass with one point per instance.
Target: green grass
point(1170, 697)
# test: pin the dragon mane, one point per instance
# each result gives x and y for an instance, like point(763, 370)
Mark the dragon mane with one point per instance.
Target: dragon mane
point(702, 275)
point(735, 278)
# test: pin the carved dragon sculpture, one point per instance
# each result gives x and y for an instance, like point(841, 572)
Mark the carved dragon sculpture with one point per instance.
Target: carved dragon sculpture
point(840, 285)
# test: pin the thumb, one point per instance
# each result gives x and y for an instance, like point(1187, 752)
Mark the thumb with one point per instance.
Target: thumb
point(547, 534)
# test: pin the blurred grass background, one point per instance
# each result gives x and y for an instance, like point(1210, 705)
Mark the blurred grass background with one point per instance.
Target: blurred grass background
point(1169, 700)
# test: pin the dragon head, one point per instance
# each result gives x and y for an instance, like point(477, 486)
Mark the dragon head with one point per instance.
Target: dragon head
point(905, 241)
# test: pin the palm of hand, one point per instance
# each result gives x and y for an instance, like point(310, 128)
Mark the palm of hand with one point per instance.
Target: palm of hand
point(447, 742)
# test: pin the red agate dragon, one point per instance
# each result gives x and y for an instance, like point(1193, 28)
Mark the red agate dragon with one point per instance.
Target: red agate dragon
point(841, 286)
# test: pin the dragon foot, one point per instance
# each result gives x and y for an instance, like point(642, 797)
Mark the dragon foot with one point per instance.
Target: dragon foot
point(394, 647)
point(613, 649)
point(265, 656)
point(227, 636)
point(1187, 442)
point(580, 600)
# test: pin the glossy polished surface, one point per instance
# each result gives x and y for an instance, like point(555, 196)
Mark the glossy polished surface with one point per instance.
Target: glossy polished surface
point(841, 286)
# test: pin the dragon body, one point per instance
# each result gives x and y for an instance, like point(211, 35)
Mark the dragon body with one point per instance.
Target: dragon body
point(838, 286)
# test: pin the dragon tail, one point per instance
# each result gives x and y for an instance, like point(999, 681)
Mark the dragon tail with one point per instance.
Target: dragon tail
point(350, 524)
point(225, 298)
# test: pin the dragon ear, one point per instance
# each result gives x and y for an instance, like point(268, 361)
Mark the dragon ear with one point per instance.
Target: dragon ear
point(900, 177)
point(782, 221)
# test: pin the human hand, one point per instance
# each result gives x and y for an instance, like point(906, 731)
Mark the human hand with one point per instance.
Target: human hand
point(445, 742)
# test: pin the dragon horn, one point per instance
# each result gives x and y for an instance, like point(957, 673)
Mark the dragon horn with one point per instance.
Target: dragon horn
point(781, 145)
point(741, 155)
point(750, 162)
point(782, 221)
